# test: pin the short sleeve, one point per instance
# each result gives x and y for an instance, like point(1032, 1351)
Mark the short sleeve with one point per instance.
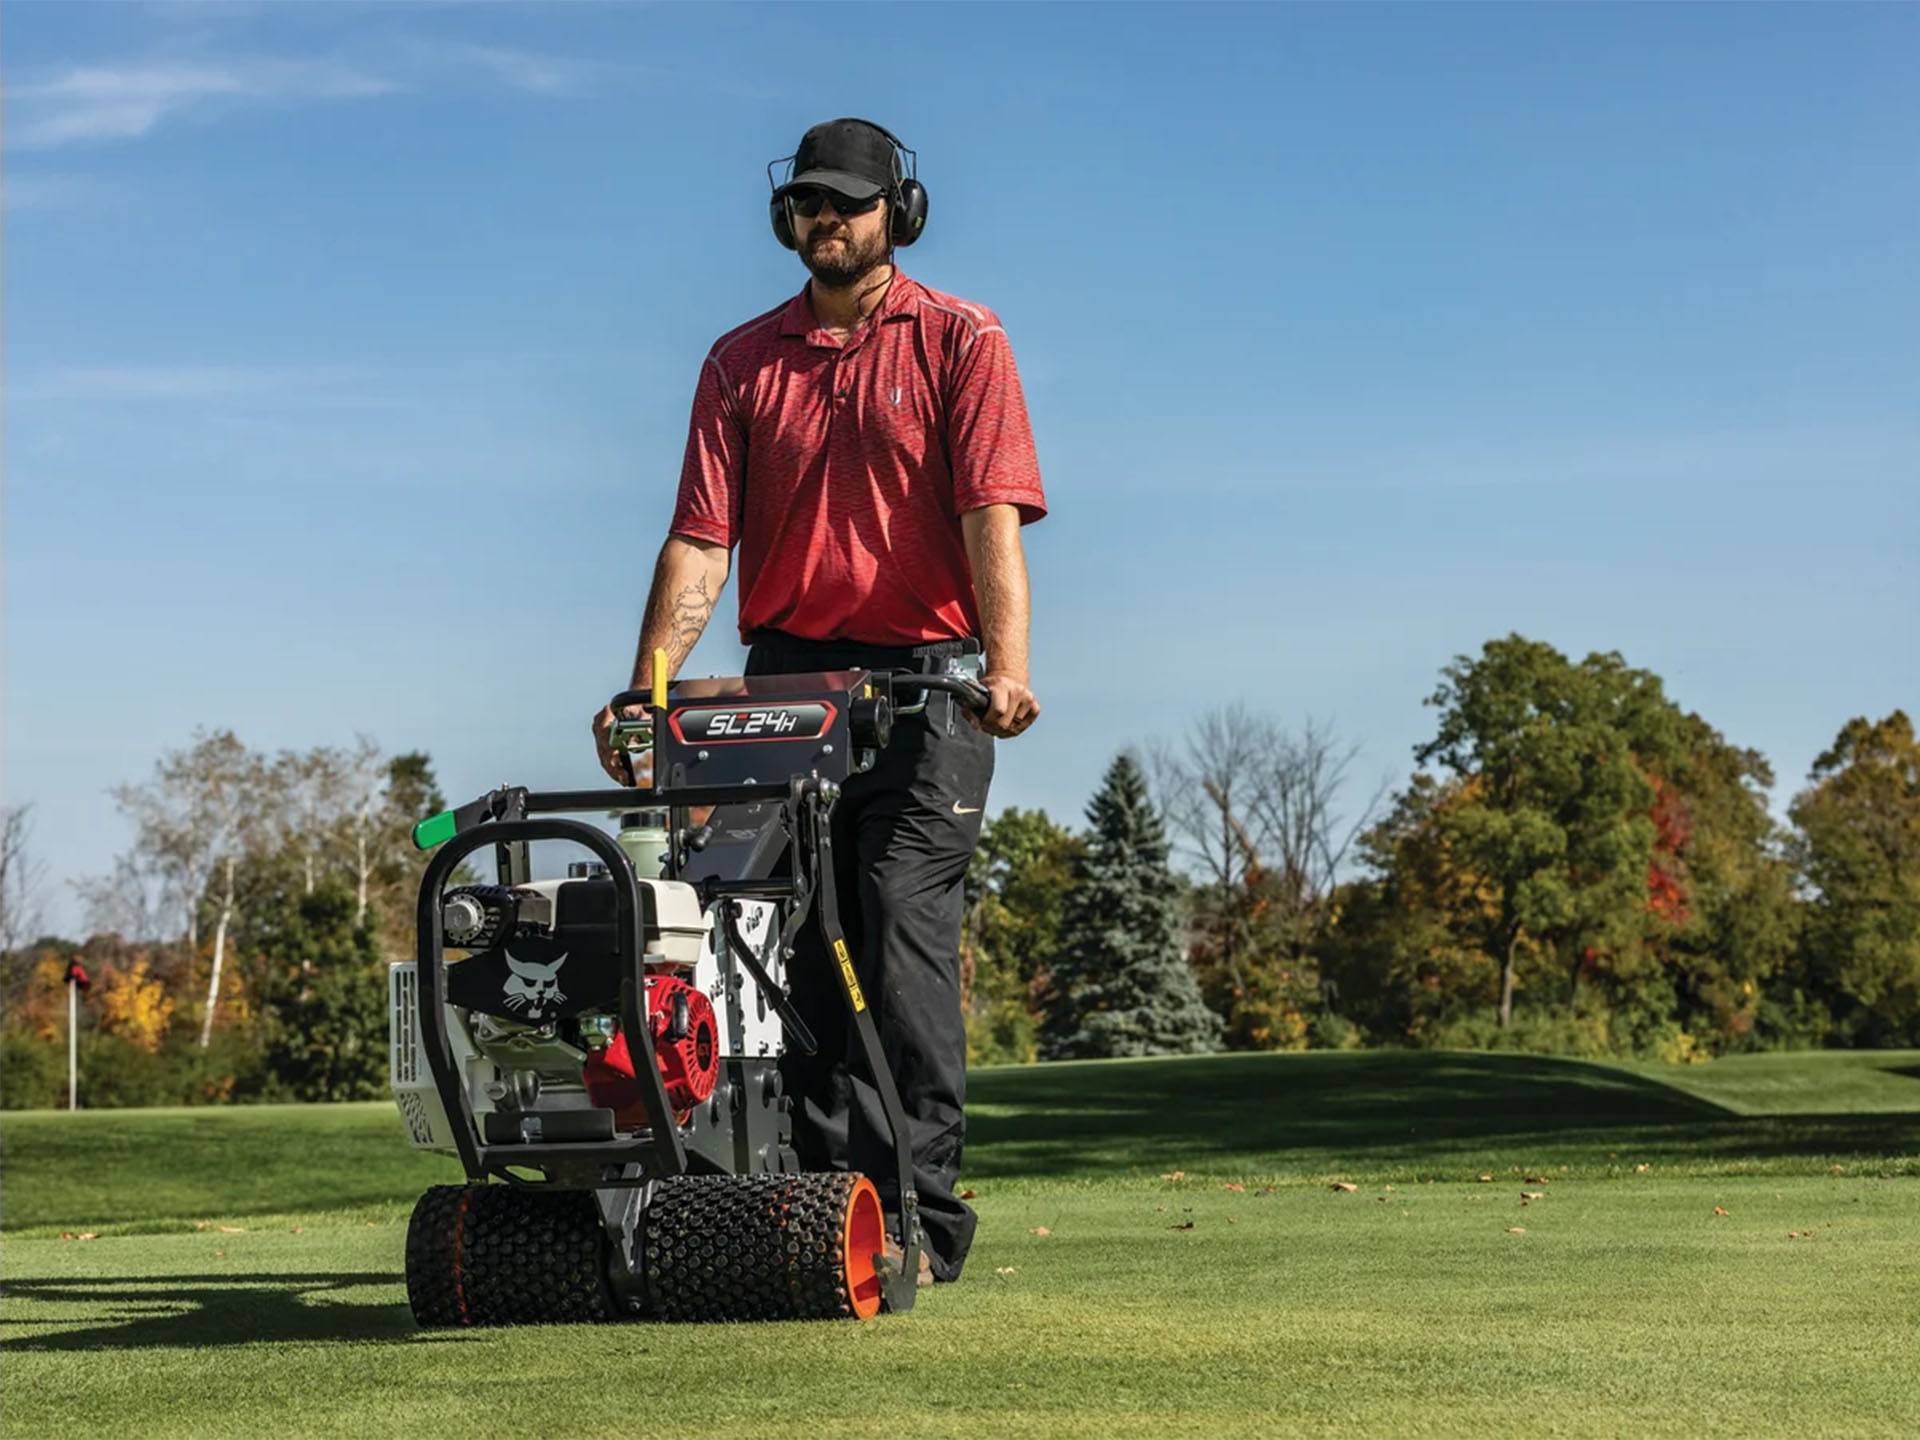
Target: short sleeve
point(713, 473)
point(989, 438)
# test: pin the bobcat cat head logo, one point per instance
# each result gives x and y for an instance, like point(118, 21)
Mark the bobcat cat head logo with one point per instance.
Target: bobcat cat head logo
point(534, 989)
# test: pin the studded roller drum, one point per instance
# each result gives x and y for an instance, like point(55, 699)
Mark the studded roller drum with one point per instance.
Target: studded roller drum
point(500, 1255)
point(764, 1247)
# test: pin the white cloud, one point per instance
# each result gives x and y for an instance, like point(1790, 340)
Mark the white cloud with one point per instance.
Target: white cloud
point(526, 70)
point(130, 99)
point(187, 382)
point(125, 101)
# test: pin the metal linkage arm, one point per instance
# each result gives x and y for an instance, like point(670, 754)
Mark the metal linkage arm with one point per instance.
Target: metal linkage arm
point(815, 806)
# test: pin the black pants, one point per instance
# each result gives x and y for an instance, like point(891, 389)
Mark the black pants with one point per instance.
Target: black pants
point(903, 834)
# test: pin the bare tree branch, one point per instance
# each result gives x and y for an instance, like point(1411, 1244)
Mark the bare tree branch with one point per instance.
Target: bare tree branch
point(124, 903)
point(1297, 803)
point(195, 823)
point(20, 878)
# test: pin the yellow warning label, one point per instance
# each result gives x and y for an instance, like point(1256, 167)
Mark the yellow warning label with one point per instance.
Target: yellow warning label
point(846, 974)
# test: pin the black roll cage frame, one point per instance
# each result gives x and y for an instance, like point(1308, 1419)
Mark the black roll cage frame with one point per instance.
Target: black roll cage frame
point(504, 818)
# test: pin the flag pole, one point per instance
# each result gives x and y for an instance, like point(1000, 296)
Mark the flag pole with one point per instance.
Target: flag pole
point(73, 1041)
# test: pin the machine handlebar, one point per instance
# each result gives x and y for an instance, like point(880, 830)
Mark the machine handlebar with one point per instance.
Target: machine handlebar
point(970, 693)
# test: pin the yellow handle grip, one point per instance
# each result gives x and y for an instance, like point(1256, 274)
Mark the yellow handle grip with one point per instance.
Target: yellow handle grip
point(659, 680)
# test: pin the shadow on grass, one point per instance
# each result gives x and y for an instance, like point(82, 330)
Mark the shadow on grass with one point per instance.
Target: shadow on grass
point(1423, 1110)
point(194, 1312)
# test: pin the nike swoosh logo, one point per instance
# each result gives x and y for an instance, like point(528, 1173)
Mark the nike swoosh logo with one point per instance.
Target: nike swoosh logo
point(960, 809)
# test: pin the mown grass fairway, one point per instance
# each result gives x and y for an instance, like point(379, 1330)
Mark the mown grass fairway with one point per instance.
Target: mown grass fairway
point(246, 1277)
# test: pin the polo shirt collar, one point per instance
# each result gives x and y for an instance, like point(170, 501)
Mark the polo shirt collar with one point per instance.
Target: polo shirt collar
point(902, 298)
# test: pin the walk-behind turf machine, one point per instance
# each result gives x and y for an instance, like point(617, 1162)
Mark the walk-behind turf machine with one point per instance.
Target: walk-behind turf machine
point(602, 1051)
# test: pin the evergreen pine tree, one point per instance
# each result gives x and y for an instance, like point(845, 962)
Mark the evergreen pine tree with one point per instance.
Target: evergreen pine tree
point(1121, 984)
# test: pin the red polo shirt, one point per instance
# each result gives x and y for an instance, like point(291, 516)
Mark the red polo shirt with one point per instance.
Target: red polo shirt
point(841, 471)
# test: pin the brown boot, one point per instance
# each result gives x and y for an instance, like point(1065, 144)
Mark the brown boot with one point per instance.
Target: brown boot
point(891, 1257)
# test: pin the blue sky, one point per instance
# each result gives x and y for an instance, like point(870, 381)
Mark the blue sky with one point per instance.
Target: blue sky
point(348, 352)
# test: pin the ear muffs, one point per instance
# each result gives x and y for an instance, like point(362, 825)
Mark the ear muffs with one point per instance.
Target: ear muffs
point(782, 223)
point(909, 216)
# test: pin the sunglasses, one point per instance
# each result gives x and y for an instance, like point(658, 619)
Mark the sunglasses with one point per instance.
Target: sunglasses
point(808, 199)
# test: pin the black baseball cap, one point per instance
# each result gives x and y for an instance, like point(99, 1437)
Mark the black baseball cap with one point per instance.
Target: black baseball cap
point(854, 157)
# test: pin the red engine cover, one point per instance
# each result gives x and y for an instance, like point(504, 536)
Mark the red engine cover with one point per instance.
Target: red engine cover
point(689, 1064)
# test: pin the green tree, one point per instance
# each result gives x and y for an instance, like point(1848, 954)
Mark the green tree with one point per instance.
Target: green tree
point(1858, 848)
point(328, 1024)
point(1559, 825)
point(1595, 848)
point(412, 793)
point(1721, 913)
point(1016, 889)
point(1121, 984)
point(1404, 953)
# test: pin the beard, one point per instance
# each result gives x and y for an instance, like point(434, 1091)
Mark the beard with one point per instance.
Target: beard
point(838, 259)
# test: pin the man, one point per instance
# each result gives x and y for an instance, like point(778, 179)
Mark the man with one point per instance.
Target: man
point(866, 446)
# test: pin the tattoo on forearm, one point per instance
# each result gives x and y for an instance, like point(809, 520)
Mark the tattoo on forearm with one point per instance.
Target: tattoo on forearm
point(675, 618)
point(692, 608)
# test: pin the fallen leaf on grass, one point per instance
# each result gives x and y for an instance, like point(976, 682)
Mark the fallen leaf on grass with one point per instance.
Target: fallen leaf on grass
point(1839, 1169)
point(80, 1235)
point(1159, 1209)
point(1183, 1225)
point(1040, 1230)
point(299, 1229)
point(1486, 1179)
point(1533, 1195)
point(1516, 1229)
point(1799, 1234)
point(1344, 1187)
point(1232, 1221)
point(1266, 1190)
point(1720, 1210)
point(1236, 1189)
point(203, 1224)
point(233, 1229)
point(1004, 1270)
point(1641, 1169)
point(219, 1254)
point(966, 1194)
point(1175, 1175)
point(1534, 1179)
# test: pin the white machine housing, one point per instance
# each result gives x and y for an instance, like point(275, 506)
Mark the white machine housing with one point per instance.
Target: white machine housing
point(524, 1064)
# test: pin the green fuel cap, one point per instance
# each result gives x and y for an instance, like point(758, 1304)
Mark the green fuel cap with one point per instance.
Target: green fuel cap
point(433, 830)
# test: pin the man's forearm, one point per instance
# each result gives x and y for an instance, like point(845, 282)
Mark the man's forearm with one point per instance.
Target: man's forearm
point(687, 581)
point(999, 565)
